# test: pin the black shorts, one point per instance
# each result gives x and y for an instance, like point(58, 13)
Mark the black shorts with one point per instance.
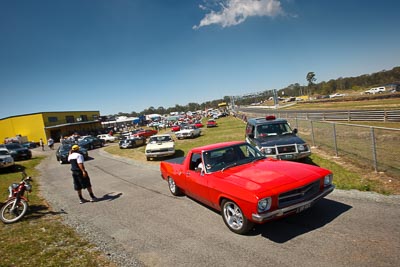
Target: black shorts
point(80, 182)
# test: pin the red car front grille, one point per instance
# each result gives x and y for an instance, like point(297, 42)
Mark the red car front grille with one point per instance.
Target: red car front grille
point(299, 194)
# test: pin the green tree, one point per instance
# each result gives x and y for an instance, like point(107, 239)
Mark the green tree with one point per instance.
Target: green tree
point(311, 80)
point(193, 106)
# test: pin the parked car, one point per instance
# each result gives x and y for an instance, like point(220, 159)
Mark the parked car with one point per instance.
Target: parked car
point(276, 139)
point(178, 127)
point(377, 90)
point(161, 145)
point(337, 95)
point(146, 133)
point(107, 137)
point(236, 179)
point(91, 142)
point(124, 135)
point(289, 99)
point(199, 124)
point(17, 151)
point(175, 128)
point(211, 123)
point(189, 131)
point(132, 142)
point(62, 153)
point(6, 160)
point(30, 145)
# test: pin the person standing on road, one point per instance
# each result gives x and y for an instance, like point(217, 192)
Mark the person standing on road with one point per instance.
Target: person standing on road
point(50, 143)
point(79, 174)
point(41, 144)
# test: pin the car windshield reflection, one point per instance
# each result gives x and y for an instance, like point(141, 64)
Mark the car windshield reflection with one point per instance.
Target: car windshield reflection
point(227, 157)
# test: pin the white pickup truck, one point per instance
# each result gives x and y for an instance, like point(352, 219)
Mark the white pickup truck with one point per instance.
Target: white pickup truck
point(376, 90)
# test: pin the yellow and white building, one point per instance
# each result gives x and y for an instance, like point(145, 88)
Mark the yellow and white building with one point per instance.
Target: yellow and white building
point(44, 125)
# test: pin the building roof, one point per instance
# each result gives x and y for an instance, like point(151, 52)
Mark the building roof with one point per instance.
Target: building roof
point(71, 124)
point(35, 113)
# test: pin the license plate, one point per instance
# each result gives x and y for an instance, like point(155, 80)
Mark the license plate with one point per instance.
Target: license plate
point(303, 208)
point(286, 156)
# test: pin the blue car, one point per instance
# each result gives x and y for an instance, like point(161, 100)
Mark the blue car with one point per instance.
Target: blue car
point(63, 152)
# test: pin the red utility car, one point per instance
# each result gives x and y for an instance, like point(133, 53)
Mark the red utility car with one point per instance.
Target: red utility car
point(245, 186)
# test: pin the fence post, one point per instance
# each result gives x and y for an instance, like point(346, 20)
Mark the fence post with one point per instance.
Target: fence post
point(334, 139)
point(373, 144)
point(312, 133)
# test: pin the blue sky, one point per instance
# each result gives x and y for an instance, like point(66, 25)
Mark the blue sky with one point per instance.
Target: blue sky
point(127, 55)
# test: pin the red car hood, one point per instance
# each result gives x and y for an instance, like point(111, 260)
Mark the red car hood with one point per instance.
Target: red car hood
point(274, 176)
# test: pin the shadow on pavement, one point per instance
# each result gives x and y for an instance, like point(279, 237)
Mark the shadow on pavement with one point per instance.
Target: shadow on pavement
point(283, 230)
point(109, 197)
point(38, 211)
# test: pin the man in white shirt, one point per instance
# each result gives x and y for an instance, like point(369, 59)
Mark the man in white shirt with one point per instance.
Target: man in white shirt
point(79, 174)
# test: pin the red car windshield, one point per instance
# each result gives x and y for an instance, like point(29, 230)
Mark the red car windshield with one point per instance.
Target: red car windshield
point(226, 157)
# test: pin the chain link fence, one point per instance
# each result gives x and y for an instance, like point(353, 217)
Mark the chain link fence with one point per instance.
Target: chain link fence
point(375, 148)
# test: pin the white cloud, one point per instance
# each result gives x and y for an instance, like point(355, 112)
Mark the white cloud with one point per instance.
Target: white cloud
point(234, 12)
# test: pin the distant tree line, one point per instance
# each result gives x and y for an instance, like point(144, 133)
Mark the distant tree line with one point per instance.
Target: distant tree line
point(326, 88)
point(323, 88)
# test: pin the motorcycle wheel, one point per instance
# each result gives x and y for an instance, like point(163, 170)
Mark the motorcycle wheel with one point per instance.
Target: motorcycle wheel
point(8, 216)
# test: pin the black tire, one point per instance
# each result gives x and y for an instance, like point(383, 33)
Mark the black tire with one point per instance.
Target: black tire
point(234, 218)
point(8, 216)
point(173, 188)
point(148, 158)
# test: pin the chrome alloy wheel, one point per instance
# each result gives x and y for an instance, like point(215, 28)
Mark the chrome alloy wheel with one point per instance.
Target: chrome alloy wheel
point(172, 185)
point(173, 188)
point(233, 215)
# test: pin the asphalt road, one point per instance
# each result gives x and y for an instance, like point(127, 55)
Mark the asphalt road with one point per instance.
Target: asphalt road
point(139, 222)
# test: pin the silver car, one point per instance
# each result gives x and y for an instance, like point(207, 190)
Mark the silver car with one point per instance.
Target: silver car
point(6, 160)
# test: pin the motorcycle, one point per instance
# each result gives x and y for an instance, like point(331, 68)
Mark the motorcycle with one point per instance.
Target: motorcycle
point(17, 204)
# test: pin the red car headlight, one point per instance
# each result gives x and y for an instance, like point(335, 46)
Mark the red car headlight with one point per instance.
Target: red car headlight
point(264, 204)
point(328, 179)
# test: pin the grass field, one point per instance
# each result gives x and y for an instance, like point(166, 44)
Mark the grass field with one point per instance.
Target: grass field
point(40, 238)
